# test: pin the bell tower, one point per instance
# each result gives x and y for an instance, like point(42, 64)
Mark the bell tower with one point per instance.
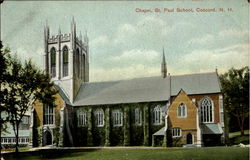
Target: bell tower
point(66, 59)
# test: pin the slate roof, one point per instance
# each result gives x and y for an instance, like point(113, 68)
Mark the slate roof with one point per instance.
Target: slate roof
point(160, 132)
point(211, 128)
point(147, 89)
point(201, 83)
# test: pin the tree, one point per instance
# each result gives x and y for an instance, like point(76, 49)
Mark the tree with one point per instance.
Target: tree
point(25, 84)
point(3, 74)
point(235, 87)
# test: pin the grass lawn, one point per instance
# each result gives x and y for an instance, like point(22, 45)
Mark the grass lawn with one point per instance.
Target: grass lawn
point(215, 153)
point(234, 134)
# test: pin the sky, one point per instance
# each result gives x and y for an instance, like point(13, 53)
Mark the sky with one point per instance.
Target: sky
point(126, 43)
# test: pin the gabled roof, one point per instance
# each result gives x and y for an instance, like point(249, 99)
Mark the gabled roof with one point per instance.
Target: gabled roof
point(62, 94)
point(147, 89)
point(202, 83)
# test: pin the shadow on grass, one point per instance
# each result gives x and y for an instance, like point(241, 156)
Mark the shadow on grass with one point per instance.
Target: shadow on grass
point(239, 139)
point(48, 154)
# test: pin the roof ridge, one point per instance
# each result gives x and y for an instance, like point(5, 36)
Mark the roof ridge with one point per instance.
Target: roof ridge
point(145, 77)
point(192, 74)
point(100, 82)
point(120, 80)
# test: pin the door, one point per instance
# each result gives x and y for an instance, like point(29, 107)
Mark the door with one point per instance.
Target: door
point(47, 138)
point(189, 138)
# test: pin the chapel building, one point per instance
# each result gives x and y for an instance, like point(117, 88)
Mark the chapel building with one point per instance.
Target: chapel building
point(165, 110)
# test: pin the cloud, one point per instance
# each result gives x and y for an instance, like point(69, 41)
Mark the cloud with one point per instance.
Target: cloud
point(238, 47)
point(135, 56)
point(119, 73)
point(153, 25)
point(150, 29)
point(224, 37)
point(233, 33)
point(101, 40)
point(207, 60)
point(136, 50)
point(124, 31)
point(202, 40)
point(24, 21)
point(24, 54)
point(131, 43)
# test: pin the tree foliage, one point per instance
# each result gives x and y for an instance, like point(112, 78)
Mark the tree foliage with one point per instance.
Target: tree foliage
point(235, 87)
point(3, 92)
point(25, 84)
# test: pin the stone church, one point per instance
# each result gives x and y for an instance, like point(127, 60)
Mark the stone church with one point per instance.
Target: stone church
point(167, 110)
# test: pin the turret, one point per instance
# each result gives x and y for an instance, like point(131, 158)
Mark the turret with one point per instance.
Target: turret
point(86, 39)
point(59, 39)
point(73, 33)
point(80, 37)
point(46, 39)
point(59, 53)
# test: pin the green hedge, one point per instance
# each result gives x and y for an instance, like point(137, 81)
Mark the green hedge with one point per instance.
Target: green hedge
point(126, 125)
point(107, 126)
point(89, 123)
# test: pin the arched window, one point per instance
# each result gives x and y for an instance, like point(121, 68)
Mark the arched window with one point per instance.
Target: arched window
point(206, 110)
point(117, 117)
point(82, 118)
point(99, 115)
point(157, 115)
point(182, 110)
point(53, 62)
point(65, 61)
point(137, 117)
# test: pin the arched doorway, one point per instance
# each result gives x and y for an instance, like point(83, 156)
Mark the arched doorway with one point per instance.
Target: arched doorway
point(47, 138)
point(189, 138)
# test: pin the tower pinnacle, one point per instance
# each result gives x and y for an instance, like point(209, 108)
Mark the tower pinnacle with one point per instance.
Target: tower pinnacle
point(163, 66)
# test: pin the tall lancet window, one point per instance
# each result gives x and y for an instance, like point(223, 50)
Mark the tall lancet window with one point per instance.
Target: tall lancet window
point(65, 61)
point(48, 115)
point(77, 62)
point(182, 111)
point(53, 62)
point(99, 117)
point(83, 67)
point(206, 110)
point(157, 115)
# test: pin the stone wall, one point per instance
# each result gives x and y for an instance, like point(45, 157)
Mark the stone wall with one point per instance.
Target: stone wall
point(187, 122)
point(128, 134)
